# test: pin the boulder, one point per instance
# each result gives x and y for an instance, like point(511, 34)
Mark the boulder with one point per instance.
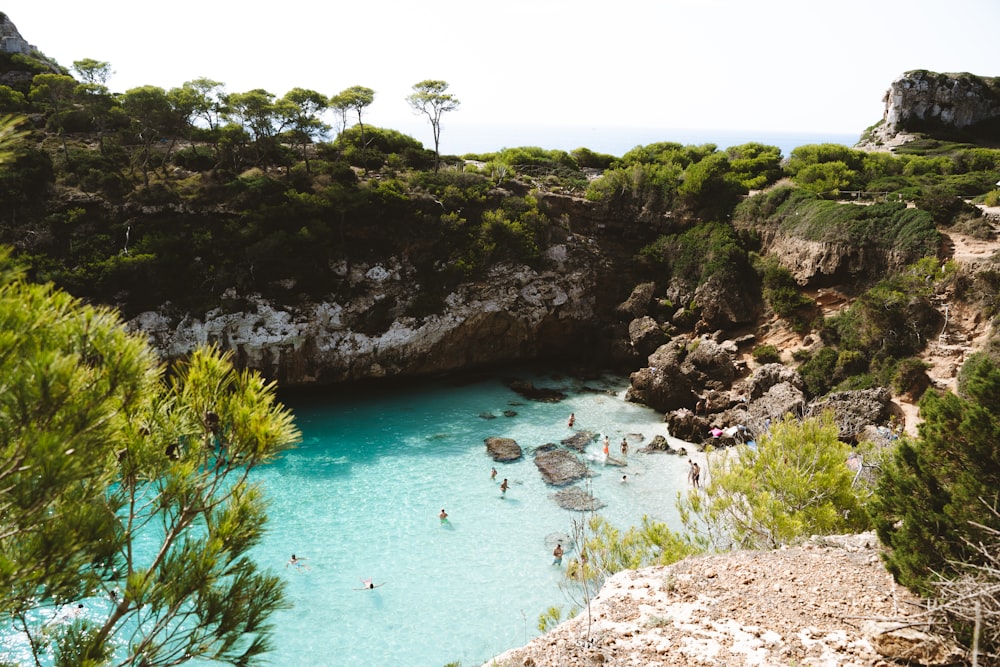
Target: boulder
point(645, 335)
point(854, 410)
point(766, 376)
point(560, 467)
point(575, 498)
point(579, 440)
point(711, 363)
point(905, 644)
point(661, 388)
point(637, 304)
point(778, 401)
point(685, 425)
point(725, 305)
point(659, 444)
point(503, 450)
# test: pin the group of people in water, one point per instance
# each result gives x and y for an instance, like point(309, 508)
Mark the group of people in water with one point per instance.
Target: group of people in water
point(694, 476)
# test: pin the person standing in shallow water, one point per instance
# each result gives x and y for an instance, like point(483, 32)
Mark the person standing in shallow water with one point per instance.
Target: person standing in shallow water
point(503, 486)
point(557, 555)
point(572, 419)
point(694, 474)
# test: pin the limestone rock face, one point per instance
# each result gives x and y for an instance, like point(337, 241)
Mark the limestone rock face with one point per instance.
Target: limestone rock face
point(922, 101)
point(825, 263)
point(920, 98)
point(516, 314)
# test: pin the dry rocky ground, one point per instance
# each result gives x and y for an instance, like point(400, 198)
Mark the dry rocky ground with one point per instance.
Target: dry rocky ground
point(829, 602)
point(826, 603)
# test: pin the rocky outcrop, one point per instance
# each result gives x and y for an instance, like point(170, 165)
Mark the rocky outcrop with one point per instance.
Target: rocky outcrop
point(579, 440)
point(766, 376)
point(516, 314)
point(503, 450)
point(12, 42)
point(854, 410)
point(930, 102)
point(645, 335)
point(10, 39)
point(824, 263)
point(681, 368)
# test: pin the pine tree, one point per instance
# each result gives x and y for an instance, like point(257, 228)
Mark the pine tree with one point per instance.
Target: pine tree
point(795, 483)
point(940, 489)
point(127, 488)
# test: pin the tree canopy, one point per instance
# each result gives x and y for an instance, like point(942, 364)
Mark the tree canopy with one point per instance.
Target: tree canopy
point(430, 98)
point(125, 490)
point(793, 484)
point(939, 497)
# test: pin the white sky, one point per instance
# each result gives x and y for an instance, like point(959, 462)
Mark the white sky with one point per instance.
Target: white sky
point(769, 65)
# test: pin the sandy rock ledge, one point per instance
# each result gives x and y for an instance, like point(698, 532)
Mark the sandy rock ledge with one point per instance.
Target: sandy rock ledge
point(810, 605)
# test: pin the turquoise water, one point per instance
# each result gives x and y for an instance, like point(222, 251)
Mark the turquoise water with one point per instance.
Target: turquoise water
point(360, 498)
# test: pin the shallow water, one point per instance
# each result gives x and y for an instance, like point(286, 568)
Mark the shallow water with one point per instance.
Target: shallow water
point(360, 497)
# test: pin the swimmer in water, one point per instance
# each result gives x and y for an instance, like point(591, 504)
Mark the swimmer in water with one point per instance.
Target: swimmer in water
point(443, 516)
point(297, 562)
point(368, 584)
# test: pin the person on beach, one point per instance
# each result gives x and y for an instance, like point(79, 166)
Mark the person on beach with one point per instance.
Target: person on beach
point(572, 420)
point(493, 473)
point(503, 486)
point(695, 473)
point(624, 447)
point(557, 555)
point(606, 448)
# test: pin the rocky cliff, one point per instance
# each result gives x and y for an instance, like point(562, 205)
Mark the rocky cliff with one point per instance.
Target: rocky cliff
point(930, 102)
point(517, 314)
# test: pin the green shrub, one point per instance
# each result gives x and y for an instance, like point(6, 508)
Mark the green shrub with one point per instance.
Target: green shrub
point(938, 498)
point(766, 497)
point(818, 372)
point(766, 354)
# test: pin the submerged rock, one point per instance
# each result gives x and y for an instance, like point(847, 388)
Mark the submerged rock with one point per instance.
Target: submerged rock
point(503, 450)
point(575, 498)
point(560, 467)
point(579, 440)
point(543, 394)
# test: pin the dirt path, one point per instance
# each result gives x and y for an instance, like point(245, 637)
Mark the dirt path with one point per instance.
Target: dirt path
point(965, 330)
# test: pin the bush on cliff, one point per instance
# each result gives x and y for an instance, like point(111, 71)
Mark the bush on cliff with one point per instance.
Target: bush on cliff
point(701, 252)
